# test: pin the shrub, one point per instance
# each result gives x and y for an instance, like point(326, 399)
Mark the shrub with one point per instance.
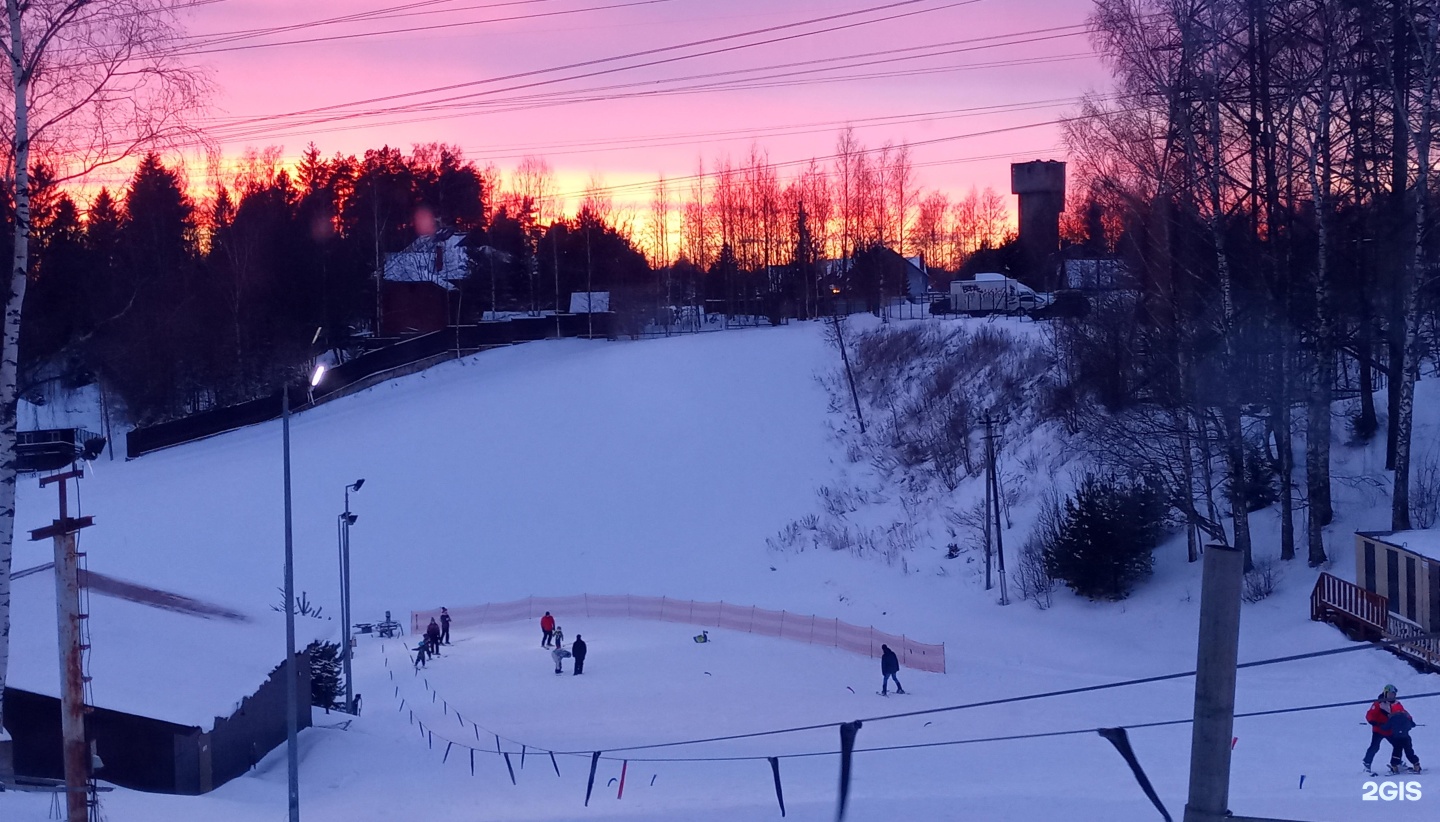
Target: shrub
point(1262, 580)
point(1260, 490)
point(1033, 580)
point(1108, 532)
point(1425, 489)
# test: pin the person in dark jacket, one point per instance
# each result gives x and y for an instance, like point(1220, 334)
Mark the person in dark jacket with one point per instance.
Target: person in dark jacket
point(432, 637)
point(889, 668)
point(577, 649)
point(1390, 721)
point(547, 629)
point(445, 626)
point(422, 653)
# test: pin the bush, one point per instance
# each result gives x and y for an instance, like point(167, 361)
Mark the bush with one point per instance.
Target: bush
point(1425, 489)
point(1261, 581)
point(1260, 486)
point(1108, 532)
point(326, 683)
point(1033, 580)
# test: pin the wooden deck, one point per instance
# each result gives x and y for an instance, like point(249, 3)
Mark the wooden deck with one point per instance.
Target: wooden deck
point(1365, 616)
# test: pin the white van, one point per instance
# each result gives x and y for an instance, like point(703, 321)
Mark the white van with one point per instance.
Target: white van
point(991, 293)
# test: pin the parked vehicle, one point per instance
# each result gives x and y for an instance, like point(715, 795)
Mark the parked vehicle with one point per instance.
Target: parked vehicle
point(991, 293)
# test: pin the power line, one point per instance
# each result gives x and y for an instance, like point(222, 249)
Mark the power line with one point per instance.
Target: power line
point(616, 58)
point(1031, 697)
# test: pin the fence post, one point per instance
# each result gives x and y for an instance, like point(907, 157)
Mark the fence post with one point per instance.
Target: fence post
point(750, 629)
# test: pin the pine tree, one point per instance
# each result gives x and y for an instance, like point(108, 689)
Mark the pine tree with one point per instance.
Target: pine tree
point(326, 682)
point(1106, 538)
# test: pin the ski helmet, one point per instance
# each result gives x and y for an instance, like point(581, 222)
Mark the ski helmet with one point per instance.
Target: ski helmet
point(1389, 691)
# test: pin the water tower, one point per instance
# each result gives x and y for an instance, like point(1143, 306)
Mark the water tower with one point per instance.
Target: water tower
point(1040, 185)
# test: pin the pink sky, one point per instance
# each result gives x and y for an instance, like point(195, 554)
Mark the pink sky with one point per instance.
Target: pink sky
point(641, 137)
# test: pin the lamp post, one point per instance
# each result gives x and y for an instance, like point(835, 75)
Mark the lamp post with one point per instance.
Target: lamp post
point(292, 698)
point(346, 520)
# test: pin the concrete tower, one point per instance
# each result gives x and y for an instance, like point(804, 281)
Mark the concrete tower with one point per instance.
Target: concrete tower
point(1040, 185)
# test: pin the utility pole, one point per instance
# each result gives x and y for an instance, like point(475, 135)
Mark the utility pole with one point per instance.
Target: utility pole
point(555, 255)
point(292, 722)
point(992, 493)
point(849, 375)
point(74, 749)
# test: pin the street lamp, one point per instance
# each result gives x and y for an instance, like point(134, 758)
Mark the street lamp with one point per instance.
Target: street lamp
point(342, 525)
point(292, 707)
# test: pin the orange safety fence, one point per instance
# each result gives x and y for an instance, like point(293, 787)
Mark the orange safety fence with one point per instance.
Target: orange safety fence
point(806, 628)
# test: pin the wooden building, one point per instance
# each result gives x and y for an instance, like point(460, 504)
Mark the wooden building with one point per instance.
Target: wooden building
point(1403, 567)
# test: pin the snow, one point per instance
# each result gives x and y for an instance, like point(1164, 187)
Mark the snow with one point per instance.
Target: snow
point(1422, 542)
point(660, 468)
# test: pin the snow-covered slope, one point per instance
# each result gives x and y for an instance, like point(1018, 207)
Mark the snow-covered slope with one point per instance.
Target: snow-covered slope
point(662, 468)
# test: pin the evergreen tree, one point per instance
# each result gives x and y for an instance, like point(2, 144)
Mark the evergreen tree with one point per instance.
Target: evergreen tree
point(327, 681)
point(1106, 538)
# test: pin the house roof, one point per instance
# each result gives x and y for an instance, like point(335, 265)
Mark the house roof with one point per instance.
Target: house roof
point(442, 258)
point(1426, 543)
point(155, 653)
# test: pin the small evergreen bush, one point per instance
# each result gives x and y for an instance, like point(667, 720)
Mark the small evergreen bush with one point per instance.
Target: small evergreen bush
point(1107, 533)
point(326, 682)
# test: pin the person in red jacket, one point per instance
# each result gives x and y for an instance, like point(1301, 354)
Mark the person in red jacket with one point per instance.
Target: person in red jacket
point(1390, 721)
point(547, 628)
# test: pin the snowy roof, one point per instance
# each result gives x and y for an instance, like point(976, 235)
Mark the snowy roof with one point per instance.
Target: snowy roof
point(438, 258)
point(154, 653)
point(1424, 543)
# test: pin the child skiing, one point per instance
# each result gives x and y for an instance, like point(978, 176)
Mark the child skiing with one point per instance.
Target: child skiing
point(1390, 721)
point(558, 637)
point(422, 652)
point(559, 655)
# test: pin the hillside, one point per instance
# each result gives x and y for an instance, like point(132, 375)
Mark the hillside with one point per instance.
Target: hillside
point(674, 468)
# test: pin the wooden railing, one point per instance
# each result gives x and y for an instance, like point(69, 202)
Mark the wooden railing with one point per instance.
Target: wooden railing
point(1422, 650)
point(1360, 613)
point(1365, 615)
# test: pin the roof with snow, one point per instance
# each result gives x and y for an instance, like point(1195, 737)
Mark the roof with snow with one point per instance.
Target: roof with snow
point(589, 302)
point(154, 653)
point(442, 258)
point(1426, 543)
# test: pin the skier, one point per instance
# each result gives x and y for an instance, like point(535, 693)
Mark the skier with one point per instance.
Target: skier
point(445, 626)
point(889, 667)
point(1389, 720)
point(559, 654)
point(422, 653)
point(432, 637)
point(577, 649)
point(547, 629)
point(558, 637)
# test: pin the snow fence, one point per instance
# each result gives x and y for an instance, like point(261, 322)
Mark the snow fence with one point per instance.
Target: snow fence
point(806, 628)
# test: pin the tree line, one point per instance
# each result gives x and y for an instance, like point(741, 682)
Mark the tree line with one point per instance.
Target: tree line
point(182, 296)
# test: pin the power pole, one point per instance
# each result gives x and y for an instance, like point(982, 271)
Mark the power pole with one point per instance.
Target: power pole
point(849, 375)
point(992, 493)
point(75, 750)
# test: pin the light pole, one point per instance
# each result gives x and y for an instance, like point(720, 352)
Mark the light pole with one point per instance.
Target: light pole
point(346, 520)
point(292, 698)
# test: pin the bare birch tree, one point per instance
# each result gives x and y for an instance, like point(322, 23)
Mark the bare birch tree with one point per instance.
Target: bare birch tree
point(91, 84)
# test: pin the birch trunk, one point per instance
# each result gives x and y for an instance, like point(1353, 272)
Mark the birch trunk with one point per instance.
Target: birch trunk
point(10, 347)
point(1409, 370)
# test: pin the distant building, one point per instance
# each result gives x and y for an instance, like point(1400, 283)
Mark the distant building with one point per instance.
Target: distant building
point(1095, 274)
point(420, 286)
point(1403, 567)
point(911, 270)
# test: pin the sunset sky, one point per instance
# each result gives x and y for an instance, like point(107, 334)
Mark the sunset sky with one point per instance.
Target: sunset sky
point(928, 73)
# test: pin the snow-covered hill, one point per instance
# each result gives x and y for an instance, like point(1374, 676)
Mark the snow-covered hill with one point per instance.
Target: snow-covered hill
point(668, 468)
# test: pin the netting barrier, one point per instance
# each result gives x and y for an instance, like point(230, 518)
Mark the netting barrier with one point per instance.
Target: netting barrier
point(806, 628)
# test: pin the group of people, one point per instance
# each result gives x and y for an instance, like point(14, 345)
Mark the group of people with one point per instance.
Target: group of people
point(1390, 721)
point(436, 634)
point(553, 636)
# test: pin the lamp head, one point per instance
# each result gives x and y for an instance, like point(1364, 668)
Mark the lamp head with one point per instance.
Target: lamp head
point(318, 375)
point(350, 518)
point(355, 486)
